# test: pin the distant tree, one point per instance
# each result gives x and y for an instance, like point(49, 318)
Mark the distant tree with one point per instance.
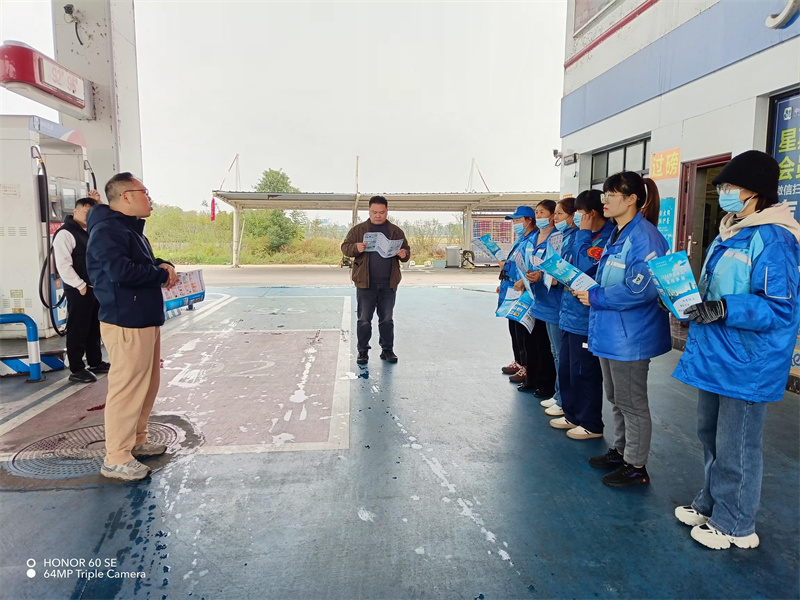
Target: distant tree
point(275, 181)
point(273, 230)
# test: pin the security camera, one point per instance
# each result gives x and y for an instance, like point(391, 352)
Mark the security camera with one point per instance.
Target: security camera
point(69, 9)
point(556, 153)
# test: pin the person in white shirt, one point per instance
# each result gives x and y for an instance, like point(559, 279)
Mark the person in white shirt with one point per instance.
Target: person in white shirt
point(83, 324)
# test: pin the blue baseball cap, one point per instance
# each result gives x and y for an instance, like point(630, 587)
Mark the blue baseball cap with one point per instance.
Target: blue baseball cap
point(522, 211)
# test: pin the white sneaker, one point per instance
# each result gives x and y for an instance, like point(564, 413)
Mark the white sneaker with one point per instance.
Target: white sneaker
point(132, 470)
point(554, 411)
point(581, 433)
point(710, 537)
point(562, 423)
point(548, 403)
point(149, 449)
point(689, 516)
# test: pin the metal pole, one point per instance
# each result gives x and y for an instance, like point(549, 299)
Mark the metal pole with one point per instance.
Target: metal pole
point(235, 236)
point(355, 202)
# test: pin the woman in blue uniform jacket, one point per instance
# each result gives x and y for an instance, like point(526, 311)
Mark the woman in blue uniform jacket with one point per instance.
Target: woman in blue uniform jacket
point(563, 220)
point(541, 366)
point(740, 345)
point(523, 224)
point(579, 375)
point(626, 326)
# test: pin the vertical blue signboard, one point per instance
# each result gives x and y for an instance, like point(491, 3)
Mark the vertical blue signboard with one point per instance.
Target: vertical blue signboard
point(666, 221)
point(786, 150)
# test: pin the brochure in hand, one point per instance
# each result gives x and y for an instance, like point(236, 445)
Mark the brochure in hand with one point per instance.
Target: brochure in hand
point(516, 306)
point(489, 246)
point(563, 272)
point(675, 282)
point(377, 242)
point(190, 289)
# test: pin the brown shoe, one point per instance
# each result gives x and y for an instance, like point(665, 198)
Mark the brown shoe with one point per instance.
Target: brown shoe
point(519, 376)
point(511, 369)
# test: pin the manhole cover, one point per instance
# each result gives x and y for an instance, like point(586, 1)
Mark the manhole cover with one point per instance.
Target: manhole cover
point(77, 453)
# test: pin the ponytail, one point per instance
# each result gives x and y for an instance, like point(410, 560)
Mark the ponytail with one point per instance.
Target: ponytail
point(653, 203)
point(648, 200)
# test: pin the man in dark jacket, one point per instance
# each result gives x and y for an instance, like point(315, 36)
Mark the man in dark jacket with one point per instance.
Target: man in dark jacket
point(83, 325)
point(127, 281)
point(376, 279)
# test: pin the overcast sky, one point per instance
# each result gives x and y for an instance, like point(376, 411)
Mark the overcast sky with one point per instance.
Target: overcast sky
point(416, 89)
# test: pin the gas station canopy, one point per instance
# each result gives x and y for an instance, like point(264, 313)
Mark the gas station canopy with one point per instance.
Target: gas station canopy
point(467, 203)
point(498, 202)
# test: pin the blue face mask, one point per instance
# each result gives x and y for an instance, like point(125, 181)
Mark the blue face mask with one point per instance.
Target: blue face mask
point(577, 218)
point(729, 201)
point(519, 229)
point(562, 225)
point(543, 223)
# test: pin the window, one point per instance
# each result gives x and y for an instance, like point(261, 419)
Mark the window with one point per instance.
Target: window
point(634, 156)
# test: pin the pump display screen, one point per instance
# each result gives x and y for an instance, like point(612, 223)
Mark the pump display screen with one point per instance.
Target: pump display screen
point(68, 198)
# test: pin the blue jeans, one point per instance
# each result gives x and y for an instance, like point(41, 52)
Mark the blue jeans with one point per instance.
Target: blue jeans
point(730, 431)
point(382, 297)
point(554, 333)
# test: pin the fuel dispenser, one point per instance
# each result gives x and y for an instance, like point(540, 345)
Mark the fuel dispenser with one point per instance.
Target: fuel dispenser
point(43, 172)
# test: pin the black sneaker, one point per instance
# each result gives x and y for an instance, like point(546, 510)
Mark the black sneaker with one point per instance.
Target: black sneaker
point(389, 356)
point(363, 358)
point(82, 377)
point(626, 475)
point(610, 460)
point(103, 367)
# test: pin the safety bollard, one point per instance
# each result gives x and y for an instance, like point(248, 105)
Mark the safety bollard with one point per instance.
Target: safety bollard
point(34, 357)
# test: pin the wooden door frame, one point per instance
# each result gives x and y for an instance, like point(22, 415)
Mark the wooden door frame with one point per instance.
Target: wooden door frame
point(688, 183)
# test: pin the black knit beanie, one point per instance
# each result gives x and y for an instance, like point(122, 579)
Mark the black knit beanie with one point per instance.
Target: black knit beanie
point(752, 170)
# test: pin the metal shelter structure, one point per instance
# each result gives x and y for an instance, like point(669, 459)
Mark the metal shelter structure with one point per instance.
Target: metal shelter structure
point(467, 203)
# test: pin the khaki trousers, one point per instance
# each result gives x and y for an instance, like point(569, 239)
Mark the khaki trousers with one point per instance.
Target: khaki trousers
point(135, 356)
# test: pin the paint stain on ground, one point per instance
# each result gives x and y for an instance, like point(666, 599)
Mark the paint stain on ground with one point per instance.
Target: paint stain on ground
point(98, 407)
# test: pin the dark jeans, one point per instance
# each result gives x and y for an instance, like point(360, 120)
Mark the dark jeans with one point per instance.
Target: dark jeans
point(380, 296)
point(83, 329)
point(581, 381)
point(541, 368)
point(518, 335)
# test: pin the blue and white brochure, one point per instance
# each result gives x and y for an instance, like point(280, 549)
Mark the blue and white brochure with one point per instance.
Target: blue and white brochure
point(562, 271)
point(189, 290)
point(516, 306)
point(489, 246)
point(675, 282)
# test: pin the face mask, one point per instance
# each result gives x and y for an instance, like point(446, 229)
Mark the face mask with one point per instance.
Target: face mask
point(562, 225)
point(543, 223)
point(577, 218)
point(729, 201)
point(519, 229)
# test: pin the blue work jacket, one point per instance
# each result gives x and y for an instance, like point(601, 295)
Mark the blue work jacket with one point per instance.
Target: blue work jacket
point(747, 354)
point(511, 274)
point(126, 276)
point(584, 253)
point(547, 303)
point(625, 321)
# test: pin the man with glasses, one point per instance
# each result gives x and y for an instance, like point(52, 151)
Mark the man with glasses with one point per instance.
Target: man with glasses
point(127, 281)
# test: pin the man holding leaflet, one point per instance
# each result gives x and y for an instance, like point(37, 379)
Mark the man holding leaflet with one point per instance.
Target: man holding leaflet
point(376, 278)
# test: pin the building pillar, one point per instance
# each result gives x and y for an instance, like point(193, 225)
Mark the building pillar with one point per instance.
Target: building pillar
point(104, 51)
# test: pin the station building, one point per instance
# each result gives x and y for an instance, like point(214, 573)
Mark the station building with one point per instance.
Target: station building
point(673, 90)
